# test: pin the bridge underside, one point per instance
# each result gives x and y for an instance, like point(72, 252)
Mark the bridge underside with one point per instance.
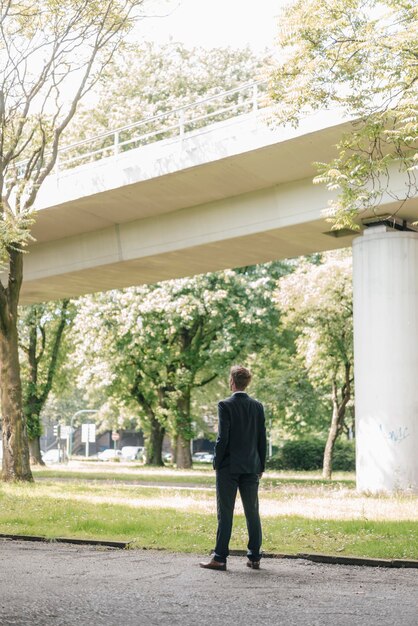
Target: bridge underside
point(234, 194)
point(208, 257)
point(245, 230)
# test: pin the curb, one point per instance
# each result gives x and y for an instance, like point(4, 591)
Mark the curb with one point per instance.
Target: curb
point(353, 560)
point(337, 560)
point(315, 558)
point(121, 545)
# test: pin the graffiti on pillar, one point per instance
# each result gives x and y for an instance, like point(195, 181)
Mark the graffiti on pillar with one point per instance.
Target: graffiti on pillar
point(397, 435)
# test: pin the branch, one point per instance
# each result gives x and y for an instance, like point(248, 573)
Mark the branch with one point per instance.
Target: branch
point(102, 40)
point(55, 352)
point(208, 380)
point(33, 361)
point(43, 343)
point(139, 396)
point(15, 277)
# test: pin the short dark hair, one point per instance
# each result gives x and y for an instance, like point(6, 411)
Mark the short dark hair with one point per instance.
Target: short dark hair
point(241, 376)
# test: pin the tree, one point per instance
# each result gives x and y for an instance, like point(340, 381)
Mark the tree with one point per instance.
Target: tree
point(149, 80)
point(360, 56)
point(316, 301)
point(293, 404)
point(41, 331)
point(154, 345)
point(51, 55)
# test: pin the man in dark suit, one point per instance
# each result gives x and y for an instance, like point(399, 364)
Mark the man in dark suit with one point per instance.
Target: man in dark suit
point(239, 461)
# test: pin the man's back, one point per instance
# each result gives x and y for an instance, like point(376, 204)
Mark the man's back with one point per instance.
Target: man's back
point(241, 442)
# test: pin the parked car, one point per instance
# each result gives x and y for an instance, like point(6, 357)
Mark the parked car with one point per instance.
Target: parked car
point(197, 456)
point(132, 453)
point(202, 457)
point(110, 454)
point(54, 456)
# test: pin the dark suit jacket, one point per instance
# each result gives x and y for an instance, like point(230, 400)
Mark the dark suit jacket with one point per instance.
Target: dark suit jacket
point(241, 442)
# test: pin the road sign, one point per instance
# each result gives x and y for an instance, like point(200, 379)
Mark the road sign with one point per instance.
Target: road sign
point(88, 433)
point(115, 436)
point(65, 432)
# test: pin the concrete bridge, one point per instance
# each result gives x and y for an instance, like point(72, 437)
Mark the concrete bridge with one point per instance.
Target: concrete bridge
point(230, 193)
point(227, 194)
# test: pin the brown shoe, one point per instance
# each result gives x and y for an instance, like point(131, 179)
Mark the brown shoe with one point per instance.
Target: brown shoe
point(253, 564)
point(221, 567)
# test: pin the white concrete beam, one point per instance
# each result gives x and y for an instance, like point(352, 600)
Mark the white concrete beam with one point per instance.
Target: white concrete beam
point(279, 222)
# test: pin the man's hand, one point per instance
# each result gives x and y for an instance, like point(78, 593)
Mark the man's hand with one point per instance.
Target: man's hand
point(260, 475)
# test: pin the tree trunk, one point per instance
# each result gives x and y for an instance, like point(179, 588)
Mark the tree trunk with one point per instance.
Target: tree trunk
point(183, 432)
point(15, 441)
point(183, 454)
point(174, 449)
point(332, 437)
point(154, 445)
point(35, 452)
point(337, 421)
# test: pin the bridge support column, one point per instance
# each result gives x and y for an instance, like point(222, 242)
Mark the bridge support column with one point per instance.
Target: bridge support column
point(385, 278)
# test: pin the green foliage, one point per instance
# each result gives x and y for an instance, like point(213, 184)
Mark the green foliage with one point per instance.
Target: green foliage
point(303, 454)
point(281, 382)
point(280, 378)
point(147, 83)
point(316, 305)
point(359, 56)
point(64, 400)
point(148, 79)
point(153, 345)
point(14, 233)
point(316, 301)
point(294, 375)
point(344, 458)
point(275, 462)
point(43, 348)
point(308, 453)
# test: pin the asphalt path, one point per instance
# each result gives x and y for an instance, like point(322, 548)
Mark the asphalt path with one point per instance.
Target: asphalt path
point(58, 584)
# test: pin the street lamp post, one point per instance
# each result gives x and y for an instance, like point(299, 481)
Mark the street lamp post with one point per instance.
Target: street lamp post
point(70, 447)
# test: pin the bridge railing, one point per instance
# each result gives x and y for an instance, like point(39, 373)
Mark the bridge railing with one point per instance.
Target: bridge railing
point(173, 124)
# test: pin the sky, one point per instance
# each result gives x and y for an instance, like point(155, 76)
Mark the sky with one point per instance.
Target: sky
point(213, 23)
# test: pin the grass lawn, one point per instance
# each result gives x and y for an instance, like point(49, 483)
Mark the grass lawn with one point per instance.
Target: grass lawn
point(176, 510)
point(201, 476)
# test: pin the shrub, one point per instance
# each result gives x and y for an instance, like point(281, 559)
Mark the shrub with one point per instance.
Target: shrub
point(303, 454)
point(344, 458)
point(275, 463)
point(308, 454)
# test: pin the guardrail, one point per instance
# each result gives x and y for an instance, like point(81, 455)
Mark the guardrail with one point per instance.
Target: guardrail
point(174, 124)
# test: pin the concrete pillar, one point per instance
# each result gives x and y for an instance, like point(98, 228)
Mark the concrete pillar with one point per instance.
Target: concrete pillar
point(385, 285)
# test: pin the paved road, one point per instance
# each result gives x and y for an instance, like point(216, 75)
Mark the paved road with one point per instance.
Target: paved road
point(58, 584)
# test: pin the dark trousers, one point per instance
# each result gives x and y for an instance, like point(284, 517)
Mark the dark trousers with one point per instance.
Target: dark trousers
point(227, 485)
